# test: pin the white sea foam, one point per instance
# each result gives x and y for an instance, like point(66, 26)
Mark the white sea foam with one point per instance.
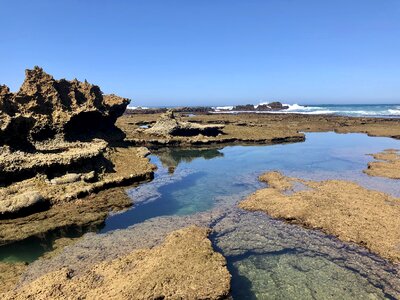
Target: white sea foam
point(395, 111)
point(137, 107)
point(218, 108)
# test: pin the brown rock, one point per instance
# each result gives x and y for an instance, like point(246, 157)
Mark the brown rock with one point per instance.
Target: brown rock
point(169, 125)
point(118, 166)
point(45, 107)
point(342, 208)
point(183, 267)
point(9, 275)
point(388, 164)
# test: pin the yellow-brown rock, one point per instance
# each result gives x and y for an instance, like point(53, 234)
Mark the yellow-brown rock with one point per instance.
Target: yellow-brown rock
point(342, 208)
point(183, 267)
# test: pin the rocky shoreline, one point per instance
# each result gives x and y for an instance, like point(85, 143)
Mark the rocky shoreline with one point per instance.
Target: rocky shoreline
point(253, 128)
point(67, 151)
point(387, 164)
point(341, 208)
point(184, 266)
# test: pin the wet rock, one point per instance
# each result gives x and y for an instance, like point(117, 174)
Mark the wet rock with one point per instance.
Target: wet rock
point(247, 107)
point(342, 208)
point(79, 216)
point(184, 266)
point(273, 106)
point(45, 107)
point(323, 263)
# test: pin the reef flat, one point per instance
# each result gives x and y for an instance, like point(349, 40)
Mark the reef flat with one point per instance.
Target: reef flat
point(184, 266)
point(341, 208)
point(387, 164)
point(76, 154)
point(254, 128)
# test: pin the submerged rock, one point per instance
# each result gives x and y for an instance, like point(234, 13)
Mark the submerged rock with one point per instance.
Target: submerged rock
point(169, 125)
point(184, 266)
point(45, 107)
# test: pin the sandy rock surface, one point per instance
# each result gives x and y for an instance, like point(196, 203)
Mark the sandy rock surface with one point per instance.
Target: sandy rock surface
point(387, 164)
point(342, 208)
point(184, 266)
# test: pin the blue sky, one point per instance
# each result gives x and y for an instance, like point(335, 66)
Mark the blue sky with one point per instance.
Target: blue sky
point(210, 52)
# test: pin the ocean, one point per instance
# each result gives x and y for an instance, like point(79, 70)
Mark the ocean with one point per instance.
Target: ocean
point(355, 110)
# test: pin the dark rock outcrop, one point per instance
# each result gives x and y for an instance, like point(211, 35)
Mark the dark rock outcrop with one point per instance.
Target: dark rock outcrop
point(247, 107)
point(44, 107)
point(273, 106)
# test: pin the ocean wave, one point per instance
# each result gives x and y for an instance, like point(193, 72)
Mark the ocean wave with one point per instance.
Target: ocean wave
point(137, 107)
point(395, 111)
point(320, 111)
point(228, 107)
point(343, 110)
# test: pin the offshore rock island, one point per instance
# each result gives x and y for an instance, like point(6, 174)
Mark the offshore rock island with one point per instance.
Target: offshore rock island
point(72, 160)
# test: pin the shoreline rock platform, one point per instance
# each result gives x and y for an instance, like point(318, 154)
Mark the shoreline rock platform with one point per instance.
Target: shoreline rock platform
point(341, 208)
point(387, 164)
point(184, 266)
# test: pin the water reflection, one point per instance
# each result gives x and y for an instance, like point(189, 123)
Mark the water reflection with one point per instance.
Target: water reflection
point(171, 157)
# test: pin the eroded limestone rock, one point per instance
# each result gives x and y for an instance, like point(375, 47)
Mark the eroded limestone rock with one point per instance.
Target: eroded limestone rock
point(116, 167)
point(44, 107)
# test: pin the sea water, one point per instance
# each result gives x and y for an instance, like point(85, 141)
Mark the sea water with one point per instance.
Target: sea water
point(268, 258)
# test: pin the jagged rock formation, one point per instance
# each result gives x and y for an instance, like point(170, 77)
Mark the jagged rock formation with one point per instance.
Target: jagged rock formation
point(169, 125)
point(55, 144)
point(44, 107)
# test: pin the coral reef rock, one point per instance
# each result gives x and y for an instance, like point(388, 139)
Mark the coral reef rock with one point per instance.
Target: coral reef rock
point(169, 125)
point(44, 107)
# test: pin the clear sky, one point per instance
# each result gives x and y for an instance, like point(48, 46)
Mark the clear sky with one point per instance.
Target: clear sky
point(210, 52)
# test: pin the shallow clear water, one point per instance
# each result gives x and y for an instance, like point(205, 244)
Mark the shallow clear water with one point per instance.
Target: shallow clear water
point(197, 179)
point(267, 258)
